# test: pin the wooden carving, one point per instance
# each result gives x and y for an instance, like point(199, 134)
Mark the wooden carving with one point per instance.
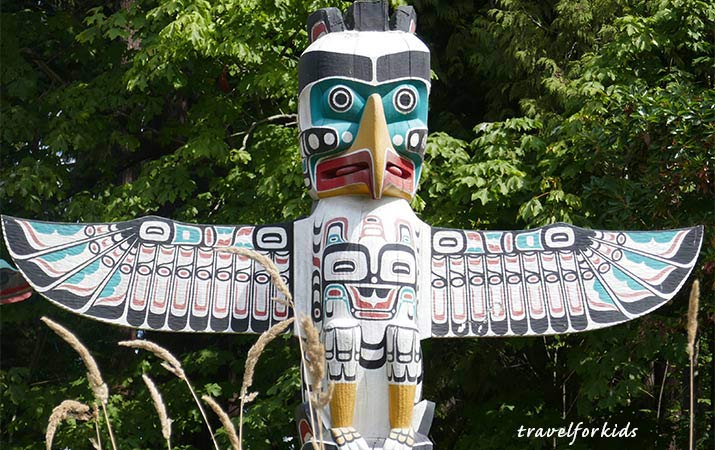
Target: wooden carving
point(375, 279)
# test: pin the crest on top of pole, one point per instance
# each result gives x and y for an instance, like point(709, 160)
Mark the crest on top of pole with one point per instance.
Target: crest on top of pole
point(363, 15)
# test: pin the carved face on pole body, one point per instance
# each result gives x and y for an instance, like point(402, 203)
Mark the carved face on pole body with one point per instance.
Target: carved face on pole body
point(363, 120)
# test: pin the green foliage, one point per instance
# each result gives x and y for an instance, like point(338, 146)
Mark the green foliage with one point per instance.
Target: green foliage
point(595, 113)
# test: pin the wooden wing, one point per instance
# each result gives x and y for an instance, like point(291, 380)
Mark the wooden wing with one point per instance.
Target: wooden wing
point(555, 279)
point(154, 273)
point(13, 286)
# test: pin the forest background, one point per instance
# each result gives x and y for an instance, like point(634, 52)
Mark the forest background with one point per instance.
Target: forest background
point(599, 113)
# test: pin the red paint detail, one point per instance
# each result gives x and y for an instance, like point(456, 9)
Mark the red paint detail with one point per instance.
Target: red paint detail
point(372, 226)
point(244, 231)
point(357, 168)
point(316, 261)
point(496, 248)
point(178, 305)
point(372, 315)
point(16, 298)
point(218, 309)
point(208, 236)
point(318, 30)
point(354, 168)
point(508, 242)
point(399, 172)
point(438, 316)
point(304, 431)
point(361, 304)
point(241, 311)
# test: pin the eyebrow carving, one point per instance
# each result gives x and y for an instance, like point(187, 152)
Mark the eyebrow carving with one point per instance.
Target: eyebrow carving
point(314, 66)
point(409, 64)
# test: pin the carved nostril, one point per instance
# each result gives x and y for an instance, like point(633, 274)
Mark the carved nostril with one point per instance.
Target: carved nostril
point(329, 139)
point(397, 140)
point(414, 140)
point(313, 141)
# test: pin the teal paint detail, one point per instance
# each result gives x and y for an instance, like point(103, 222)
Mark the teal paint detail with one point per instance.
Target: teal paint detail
point(404, 303)
point(323, 115)
point(493, 235)
point(59, 255)
point(186, 235)
point(62, 229)
point(224, 230)
point(529, 241)
point(603, 295)
point(398, 124)
point(342, 298)
point(111, 285)
point(242, 245)
point(660, 237)
point(79, 276)
point(630, 282)
point(649, 262)
point(493, 238)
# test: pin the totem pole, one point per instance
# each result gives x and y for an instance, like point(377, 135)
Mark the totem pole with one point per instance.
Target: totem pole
point(375, 279)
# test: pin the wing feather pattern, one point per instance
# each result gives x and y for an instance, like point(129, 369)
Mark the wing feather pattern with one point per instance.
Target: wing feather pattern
point(155, 273)
point(555, 279)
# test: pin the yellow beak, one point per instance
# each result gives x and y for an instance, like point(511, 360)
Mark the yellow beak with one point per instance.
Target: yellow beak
point(373, 136)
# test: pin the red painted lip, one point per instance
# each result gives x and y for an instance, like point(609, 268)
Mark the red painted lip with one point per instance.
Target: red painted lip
point(399, 173)
point(357, 168)
point(381, 298)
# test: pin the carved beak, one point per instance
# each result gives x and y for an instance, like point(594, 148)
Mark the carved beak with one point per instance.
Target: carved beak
point(374, 137)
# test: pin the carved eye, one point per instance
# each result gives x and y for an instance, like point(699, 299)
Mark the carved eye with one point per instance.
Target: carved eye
point(340, 99)
point(344, 266)
point(405, 99)
point(401, 268)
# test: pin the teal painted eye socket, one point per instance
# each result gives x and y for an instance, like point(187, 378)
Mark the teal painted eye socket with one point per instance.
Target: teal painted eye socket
point(340, 102)
point(405, 99)
point(340, 99)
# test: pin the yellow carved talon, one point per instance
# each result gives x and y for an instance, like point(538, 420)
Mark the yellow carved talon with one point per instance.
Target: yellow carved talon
point(400, 439)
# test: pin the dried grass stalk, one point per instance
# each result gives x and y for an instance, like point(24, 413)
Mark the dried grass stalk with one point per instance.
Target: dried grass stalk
point(693, 316)
point(692, 333)
point(160, 409)
point(257, 349)
point(170, 362)
point(68, 409)
point(225, 421)
point(316, 358)
point(95, 414)
point(251, 360)
point(99, 388)
point(315, 362)
point(174, 366)
point(270, 267)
